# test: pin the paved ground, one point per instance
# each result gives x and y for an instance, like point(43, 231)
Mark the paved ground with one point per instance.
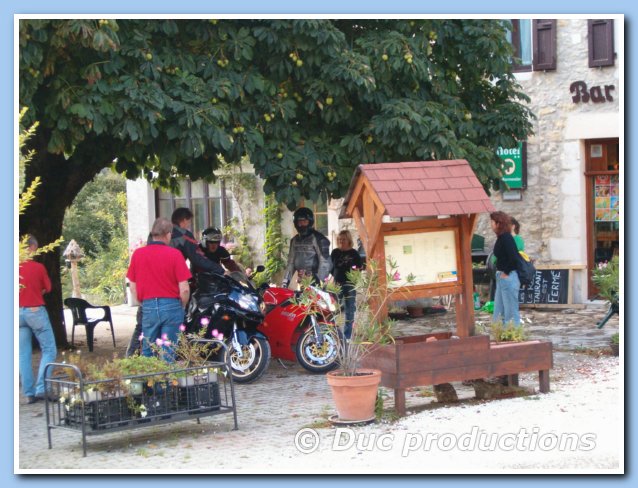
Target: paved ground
point(287, 399)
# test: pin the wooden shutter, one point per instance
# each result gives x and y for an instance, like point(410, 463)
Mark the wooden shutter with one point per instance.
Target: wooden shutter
point(544, 35)
point(600, 35)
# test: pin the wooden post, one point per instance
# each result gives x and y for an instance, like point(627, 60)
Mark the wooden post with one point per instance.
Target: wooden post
point(465, 306)
point(399, 401)
point(543, 380)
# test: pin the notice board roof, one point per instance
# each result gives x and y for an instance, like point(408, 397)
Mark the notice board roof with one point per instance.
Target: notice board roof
point(419, 189)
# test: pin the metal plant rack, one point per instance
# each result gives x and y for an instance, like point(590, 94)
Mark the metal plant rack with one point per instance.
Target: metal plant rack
point(130, 402)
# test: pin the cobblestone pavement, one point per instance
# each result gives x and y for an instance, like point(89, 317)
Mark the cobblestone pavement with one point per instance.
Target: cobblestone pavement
point(272, 410)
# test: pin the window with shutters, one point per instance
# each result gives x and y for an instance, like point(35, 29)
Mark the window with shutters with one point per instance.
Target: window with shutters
point(534, 43)
point(600, 35)
point(521, 39)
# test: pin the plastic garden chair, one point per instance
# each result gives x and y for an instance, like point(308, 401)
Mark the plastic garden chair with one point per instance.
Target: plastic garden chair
point(78, 309)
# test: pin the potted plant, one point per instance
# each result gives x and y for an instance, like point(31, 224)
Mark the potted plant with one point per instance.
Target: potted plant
point(354, 389)
point(500, 332)
point(606, 277)
point(615, 344)
point(193, 354)
point(415, 307)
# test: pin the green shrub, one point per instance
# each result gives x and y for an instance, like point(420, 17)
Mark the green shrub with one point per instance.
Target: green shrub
point(606, 277)
point(97, 221)
point(508, 332)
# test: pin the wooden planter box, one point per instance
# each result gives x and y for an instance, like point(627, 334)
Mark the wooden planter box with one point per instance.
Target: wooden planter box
point(412, 361)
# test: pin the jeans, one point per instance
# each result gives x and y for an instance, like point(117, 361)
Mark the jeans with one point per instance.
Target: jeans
point(161, 316)
point(35, 320)
point(506, 298)
point(349, 296)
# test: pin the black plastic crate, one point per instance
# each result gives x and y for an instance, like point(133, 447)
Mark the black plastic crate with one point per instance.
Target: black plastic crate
point(100, 414)
point(198, 398)
point(159, 400)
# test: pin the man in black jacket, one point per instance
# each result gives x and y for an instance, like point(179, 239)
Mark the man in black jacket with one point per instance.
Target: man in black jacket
point(183, 240)
point(213, 249)
point(309, 250)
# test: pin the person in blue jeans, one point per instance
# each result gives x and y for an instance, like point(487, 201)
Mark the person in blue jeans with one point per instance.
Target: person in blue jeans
point(507, 282)
point(158, 276)
point(34, 320)
point(344, 259)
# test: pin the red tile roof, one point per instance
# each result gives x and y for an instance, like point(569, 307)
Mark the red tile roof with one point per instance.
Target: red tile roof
point(425, 188)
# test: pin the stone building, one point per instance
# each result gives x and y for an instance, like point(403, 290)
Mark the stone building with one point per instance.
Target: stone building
point(577, 99)
point(571, 69)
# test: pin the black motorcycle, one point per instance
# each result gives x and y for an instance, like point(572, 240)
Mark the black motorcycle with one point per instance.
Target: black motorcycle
point(231, 309)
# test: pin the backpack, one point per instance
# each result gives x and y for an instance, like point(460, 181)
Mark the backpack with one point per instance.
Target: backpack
point(526, 270)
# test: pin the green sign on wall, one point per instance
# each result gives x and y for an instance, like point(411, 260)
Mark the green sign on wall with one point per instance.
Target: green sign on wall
point(514, 166)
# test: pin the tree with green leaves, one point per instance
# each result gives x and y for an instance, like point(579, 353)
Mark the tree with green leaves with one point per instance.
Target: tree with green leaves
point(304, 100)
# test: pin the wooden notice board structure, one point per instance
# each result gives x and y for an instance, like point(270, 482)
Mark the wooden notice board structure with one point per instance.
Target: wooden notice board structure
point(440, 201)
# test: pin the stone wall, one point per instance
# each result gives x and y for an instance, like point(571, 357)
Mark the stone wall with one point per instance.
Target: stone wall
point(552, 210)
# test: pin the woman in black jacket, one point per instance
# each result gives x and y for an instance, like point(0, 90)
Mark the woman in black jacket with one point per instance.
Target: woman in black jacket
point(507, 282)
point(344, 259)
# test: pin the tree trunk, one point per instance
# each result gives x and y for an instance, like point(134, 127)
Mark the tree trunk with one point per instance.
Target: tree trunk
point(61, 181)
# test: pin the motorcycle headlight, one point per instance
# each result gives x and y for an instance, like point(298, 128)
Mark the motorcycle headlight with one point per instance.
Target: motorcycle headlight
point(248, 303)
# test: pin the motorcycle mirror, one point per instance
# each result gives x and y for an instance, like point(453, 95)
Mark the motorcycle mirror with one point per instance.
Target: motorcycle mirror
point(260, 269)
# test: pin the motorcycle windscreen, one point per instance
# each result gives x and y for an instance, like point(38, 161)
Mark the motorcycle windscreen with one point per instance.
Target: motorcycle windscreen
point(211, 284)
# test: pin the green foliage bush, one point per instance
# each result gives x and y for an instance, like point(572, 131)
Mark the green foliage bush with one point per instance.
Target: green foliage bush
point(274, 244)
point(500, 332)
point(606, 277)
point(97, 221)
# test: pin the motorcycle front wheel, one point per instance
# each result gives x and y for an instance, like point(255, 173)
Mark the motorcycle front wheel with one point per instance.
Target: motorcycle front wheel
point(251, 362)
point(319, 356)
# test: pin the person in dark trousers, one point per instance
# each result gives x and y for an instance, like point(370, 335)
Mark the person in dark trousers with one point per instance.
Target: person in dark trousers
point(184, 241)
point(344, 259)
point(34, 321)
point(158, 276)
point(507, 282)
point(309, 253)
point(520, 245)
point(214, 251)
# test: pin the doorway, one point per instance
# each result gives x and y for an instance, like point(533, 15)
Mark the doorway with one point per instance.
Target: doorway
point(603, 203)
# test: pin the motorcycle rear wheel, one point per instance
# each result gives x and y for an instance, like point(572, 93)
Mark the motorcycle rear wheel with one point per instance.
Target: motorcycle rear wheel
point(315, 357)
point(253, 362)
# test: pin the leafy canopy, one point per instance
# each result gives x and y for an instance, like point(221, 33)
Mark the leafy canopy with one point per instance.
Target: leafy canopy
point(305, 100)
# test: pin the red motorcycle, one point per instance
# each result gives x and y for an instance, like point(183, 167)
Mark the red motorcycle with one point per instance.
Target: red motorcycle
point(306, 332)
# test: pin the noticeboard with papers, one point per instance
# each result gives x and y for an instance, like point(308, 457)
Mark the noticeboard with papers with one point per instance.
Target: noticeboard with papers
point(431, 257)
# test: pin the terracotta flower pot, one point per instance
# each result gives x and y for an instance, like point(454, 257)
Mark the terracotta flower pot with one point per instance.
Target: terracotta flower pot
point(415, 311)
point(355, 396)
point(615, 349)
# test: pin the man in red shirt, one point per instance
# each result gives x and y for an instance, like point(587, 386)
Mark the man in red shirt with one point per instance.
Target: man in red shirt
point(34, 320)
point(159, 277)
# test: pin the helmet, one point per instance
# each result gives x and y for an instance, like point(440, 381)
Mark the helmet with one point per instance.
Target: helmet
point(212, 234)
point(303, 213)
